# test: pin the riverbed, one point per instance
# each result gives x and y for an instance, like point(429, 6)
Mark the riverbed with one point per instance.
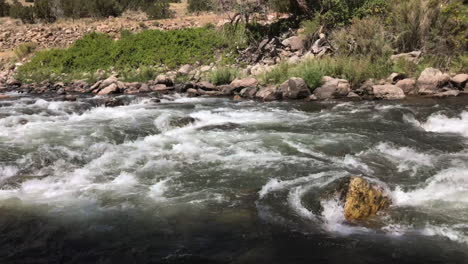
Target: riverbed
point(211, 180)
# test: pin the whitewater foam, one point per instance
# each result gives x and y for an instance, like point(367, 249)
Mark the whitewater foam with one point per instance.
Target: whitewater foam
point(442, 124)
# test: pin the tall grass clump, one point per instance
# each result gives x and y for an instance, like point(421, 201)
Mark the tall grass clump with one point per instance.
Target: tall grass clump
point(365, 37)
point(223, 75)
point(25, 49)
point(355, 70)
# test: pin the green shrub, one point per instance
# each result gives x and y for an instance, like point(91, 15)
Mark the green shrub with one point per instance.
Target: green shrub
point(159, 10)
point(200, 5)
point(43, 10)
point(25, 49)
point(223, 75)
point(364, 37)
point(142, 74)
point(148, 48)
point(411, 22)
point(355, 70)
point(25, 13)
point(4, 8)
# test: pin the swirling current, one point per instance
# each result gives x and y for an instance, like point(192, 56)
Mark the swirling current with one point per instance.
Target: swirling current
point(211, 180)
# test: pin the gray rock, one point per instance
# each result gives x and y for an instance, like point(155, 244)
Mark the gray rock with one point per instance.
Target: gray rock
point(192, 92)
point(249, 92)
point(332, 88)
point(226, 89)
point(410, 56)
point(408, 86)
point(108, 81)
point(431, 81)
point(238, 84)
point(269, 93)
point(294, 88)
point(395, 77)
point(295, 43)
point(460, 80)
point(185, 69)
point(447, 93)
point(110, 89)
point(164, 79)
point(207, 86)
point(388, 92)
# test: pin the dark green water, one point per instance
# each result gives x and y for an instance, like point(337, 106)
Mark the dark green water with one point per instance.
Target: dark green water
point(244, 183)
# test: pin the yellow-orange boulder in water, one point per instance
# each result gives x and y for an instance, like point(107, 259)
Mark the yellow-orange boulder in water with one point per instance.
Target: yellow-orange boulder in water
point(364, 199)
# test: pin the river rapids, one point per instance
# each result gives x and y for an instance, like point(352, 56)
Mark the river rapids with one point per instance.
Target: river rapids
point(243, 182)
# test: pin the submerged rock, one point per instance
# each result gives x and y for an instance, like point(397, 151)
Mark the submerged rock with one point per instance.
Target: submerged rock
point(182, 121)
point(364, 199)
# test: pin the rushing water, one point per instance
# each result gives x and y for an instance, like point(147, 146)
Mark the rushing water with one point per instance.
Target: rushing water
point(245, 183)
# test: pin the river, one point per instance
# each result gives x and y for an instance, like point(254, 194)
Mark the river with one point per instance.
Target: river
point(245, 182)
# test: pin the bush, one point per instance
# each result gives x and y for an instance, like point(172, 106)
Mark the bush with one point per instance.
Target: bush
point(4, 8)
point(43, 11)
point(148, 48)
point(355, 70)
point(411, 22)
point(159, 10)
point(224, 75)
point(364, 37)
point(25, 13)
point(25, 49)
point(200, 5)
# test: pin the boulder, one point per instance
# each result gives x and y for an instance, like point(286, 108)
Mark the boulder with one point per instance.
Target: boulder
point(410, 56)
point(4, 96)
point(353, 95)
point(108, 81)
point(294, 88)
point(207, 86)
point(407, 85)
point(226, 89)
point(144, 88)
point(269, 93)
point(185, 69)
point(295, 43)
point(70, 98)
point(447, 93)
point(114, 102)
point(395, 77)
point(431, 80)
point(364, 199)
point(332, 88)
point(238, 84)
point(13, 82)
point(387, 91)
point(192, 92)
point(111, 89)
point(249, 92)
point(181, 121)
point(161, 88)
point(460, 80)
point(164, 79)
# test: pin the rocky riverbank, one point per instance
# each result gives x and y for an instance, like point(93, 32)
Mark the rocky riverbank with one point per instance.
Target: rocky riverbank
point(431, 83)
